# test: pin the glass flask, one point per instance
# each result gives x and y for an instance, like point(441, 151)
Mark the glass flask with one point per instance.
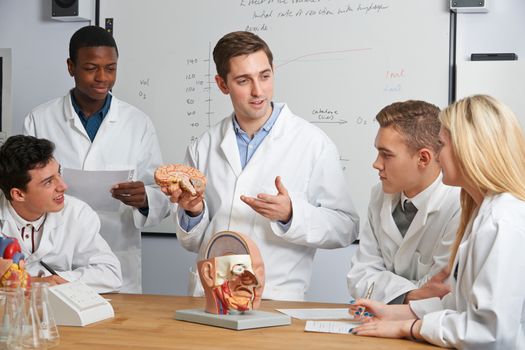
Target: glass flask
point(27, 332)
point(48, 328)
point(10, 306)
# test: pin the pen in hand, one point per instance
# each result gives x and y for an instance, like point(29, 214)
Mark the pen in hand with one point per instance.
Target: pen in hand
point(367, 295)
point(48, 268)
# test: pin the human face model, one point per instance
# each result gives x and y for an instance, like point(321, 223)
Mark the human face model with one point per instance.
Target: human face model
point(95, 73)
point(396, 163)
point(233, 274)
point(250, 86)
point(235, 285)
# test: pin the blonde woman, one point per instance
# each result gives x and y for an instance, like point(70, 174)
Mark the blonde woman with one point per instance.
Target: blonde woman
point(483, 152)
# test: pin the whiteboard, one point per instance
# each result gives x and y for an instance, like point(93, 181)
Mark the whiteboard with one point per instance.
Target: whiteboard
point(337, 63)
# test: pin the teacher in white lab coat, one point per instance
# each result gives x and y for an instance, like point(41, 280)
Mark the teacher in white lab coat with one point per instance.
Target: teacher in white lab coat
point(93, 130)
point(483, 153)
point(271, 175)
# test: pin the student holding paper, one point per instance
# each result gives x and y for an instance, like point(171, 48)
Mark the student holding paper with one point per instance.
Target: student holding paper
point(483, 152)
point(58, 234)
point(93, 130)
point(412, 215)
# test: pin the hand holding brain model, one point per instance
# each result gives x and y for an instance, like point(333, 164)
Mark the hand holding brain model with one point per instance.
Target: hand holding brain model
point(175, 176)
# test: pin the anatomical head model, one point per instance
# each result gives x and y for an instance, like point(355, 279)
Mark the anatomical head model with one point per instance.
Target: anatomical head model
point(232, 274)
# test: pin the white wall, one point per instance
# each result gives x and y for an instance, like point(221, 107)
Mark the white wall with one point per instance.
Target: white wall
point(39, 52)
point(502, 29)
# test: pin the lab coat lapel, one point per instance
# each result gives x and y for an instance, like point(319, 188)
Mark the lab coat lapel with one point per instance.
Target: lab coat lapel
point(46, 241)
point(84, 142)
point(431, 205)
point(254, 179)
point(229, 146)
point(110, 121)
point(419, 221)
point(8, 227)
point(269, 143)
point(72, 117)
point(465, 250)
point(387, 220)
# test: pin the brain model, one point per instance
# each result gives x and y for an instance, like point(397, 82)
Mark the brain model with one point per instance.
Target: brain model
point(187, 178)
point(12, 264)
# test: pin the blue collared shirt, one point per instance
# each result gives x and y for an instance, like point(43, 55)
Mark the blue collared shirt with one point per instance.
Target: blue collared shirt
point(92, 123)
point(248, 147)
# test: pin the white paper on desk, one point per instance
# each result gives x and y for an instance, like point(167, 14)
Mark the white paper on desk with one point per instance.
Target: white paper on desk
point(330, 326)
point(317, 314)
point(93, 186)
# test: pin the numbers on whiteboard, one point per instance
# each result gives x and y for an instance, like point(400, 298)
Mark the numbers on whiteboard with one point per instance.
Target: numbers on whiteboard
point(197, 93)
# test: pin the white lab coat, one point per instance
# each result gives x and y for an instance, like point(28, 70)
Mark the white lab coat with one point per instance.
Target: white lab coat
point(400, 264)
point(71, 245)
point(486, 308)
point(309, 165)
point(126, 140)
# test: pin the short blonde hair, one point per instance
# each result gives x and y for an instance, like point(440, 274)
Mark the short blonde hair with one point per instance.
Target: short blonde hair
point(489, 145)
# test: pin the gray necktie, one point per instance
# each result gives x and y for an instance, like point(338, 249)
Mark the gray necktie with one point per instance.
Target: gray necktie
point(403, 218)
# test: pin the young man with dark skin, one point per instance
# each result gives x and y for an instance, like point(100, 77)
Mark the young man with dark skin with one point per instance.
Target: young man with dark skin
point(93, 130)
point(52, 228)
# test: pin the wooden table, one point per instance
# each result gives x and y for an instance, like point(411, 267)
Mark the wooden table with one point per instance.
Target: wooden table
point(146, 322)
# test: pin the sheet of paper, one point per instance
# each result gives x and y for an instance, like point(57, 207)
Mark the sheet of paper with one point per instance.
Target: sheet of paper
point(317, 314)
point(93, 186)
point(330, 326)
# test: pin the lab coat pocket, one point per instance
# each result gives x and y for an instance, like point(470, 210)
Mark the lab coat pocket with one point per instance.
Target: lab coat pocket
point(422, 268)
point(263, 230)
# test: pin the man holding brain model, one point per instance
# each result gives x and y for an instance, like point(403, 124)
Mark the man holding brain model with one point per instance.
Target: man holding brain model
point(269, 175)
